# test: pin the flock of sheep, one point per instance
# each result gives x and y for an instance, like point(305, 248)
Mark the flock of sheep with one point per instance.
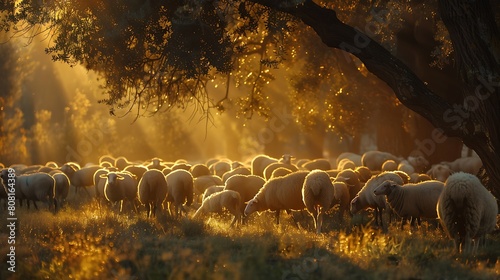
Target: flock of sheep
point(449, 191)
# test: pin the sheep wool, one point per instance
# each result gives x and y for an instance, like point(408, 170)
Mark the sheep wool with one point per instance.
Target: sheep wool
point(152, 190)
point(317, 195)
point(217, 202)
point(467, 211)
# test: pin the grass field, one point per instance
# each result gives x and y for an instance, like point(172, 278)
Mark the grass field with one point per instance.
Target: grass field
point(84, 242)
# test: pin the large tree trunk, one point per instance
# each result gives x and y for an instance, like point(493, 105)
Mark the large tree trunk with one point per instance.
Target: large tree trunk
point(479, 131)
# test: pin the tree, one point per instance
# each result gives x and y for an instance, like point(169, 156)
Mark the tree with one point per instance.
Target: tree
point(158, 54)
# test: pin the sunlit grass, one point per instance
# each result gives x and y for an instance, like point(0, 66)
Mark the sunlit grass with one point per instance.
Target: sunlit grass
point(87, 242)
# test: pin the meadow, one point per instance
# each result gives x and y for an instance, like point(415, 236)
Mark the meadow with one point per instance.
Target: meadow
point(83, 241)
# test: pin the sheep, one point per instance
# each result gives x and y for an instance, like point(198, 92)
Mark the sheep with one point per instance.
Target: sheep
point(108, 159)
point(239, 170)
point(374, 159)
point(156, 163)
point(80, 178)
point(406, 167)
point(440, 172)
point(364, 173)
point(201, 183)
point(346, 164)
point(180, 190)
point(212, 189)
point(152, 190)
point(389, 165)
point(320, 163)
point(136, 169)
point(100, 183)
point(199, 169)
point(166, 170)
point(299, 163)
point(365, 198)
point(120, 186)
point(419, 163)
point(271, 167)
point(280, 172)
point(181, 165)
point(412, 200)
point(417, 178)
point(246, 185)
point(355, 158)
point(342, 197)
point(122, 163)
point(220, 167)
point(34, 187)
point(404, 176)
point(467, 211)
point(259, 163)
point(217, 202)
point(62, 186)
point(282, 193)
point(317, 192)
point(465, 164)
point(351, 179)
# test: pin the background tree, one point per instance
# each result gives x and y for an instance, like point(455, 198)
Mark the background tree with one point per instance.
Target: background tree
point(162, 54)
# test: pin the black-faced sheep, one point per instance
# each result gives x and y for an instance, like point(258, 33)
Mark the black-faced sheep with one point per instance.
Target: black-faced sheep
point(157, 164)
point(467, 211)
point(220, 167)
point(180, 191)
point(152, 190)
point(122, 163)
point(217, 202)
point(282, 193)
point(367, 199)
point(317, 195)
point(120, 186)
point(412, 200)
point(341, 196)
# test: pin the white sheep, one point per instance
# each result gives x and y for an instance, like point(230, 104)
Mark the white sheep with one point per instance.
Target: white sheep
point(389, 165)
point(282, 193)
point(467, 211)
point(341, 196)
point(364, 173)
point(412, 200)
point(440, 172)
point(259, 163)
point(374, 159)
point(220, 167)
point(201, 183)
point(246, 185)
point(365, 198)
point(180, 191)
point(319, 163)
point(238, 170)
point(80, 178)
point(199, 169)
point(350, 177)
point(317, 195)
point(62, 186)
point(355, 158)
point(217, 202)
point(268, 171)
point(346, 164)
point(211, 190)
point(120, 186)
point(465, 164)
point(280, 172)
point(152, 190)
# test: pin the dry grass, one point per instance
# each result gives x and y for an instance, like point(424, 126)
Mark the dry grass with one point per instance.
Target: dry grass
point(84, 242)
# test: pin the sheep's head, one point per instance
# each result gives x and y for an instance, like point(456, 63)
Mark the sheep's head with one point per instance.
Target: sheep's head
point(419, 163)
point(112, 177)
point(441, 172)
point(286, 158)
point(252, 206)
point(385, 188)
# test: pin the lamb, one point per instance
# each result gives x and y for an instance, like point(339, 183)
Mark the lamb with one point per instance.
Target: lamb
point(317, 192)
point(355, 158)
point(406, 167)
point(34, 187)
point(412, 200)
point(271, 167)
point(259, 163)
point(217, 202)
point(239, 170)
point(467, 211)
point(246, 185)
point(180, 190)
point(198, 170)
point(389, 165)
point(365, 198)
point(320, 163)
point(80, 178)
point(280, 172)
point(282, 193)
point(120, 186)
point(211, 190)
point(152, 190)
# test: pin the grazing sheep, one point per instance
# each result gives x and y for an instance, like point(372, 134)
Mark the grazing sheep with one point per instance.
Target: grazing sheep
point(120, 186)
point(465, 164)
point(440, 172)
point(282, 193)
point(467, 211)
point(62, 186)
point(80, 178)
point(355, 158)
point(374, 159)
point(320, 163)
point(33, 187)
point(137, 170)
point(199, 169)
point(219, 201)
point(286, 159)
point(201, 183)
point(220, 167)
point(47, 169)
point(152, 190)
point(364, 173)
point(317, 195)
point(180, 190)
point(367, 199)
point(346, 164)
point(246, 185)
point(341, 196)
point(268, 171)
point(239, 170)
point(350, 177)
point(389, 165)
point(259, 163)
point(412, 200)
point(211, 190)
point(280, 172)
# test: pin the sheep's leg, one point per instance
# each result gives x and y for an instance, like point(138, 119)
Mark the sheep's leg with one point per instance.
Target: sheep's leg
point(277, 215)
point(319, 222)
point(34, 203)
